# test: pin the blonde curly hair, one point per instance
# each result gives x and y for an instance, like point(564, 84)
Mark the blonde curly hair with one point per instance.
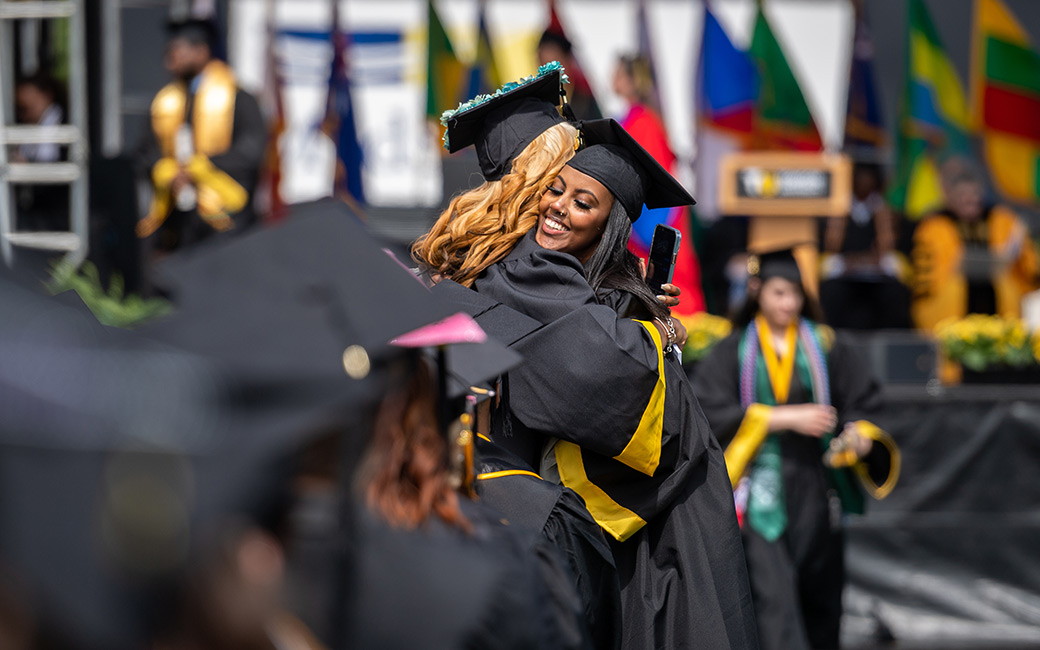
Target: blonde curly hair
point(482, 225)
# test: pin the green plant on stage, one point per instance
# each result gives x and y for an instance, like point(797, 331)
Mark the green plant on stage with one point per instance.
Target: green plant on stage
point(979, 342)
point(110, 307)
point(703, 332)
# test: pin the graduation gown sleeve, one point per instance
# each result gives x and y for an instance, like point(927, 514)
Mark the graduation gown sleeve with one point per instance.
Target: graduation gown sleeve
point(558, 520)
point(716, 382)
point(857, 396)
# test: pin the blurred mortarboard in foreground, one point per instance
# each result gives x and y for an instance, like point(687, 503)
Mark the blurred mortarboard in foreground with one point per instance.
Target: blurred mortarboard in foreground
point(614, 158)
point(501, 125)
point(500, 322)
point(116, 453)
point(314, 298)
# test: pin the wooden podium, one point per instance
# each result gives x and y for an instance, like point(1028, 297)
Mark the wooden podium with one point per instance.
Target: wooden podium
point(784, 193)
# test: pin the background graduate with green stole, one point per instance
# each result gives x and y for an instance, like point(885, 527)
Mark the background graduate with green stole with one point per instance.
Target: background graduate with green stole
point(788, 400)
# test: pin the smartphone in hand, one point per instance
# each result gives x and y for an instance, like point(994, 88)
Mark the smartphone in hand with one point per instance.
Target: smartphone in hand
point(663, 252)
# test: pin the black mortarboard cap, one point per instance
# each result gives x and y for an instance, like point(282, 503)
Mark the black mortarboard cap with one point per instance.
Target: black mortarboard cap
point(193, 30)
point(502, 125)
point(301, 300)
point(502, 323)
point(775, 264)
point(614, 158)
point(108, 445)
point(472, 358)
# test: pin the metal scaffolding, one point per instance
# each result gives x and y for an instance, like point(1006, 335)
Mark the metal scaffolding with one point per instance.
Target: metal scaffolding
point(73, 173)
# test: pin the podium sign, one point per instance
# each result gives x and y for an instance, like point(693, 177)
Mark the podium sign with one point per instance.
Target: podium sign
point(784, 193)
point(785, 184)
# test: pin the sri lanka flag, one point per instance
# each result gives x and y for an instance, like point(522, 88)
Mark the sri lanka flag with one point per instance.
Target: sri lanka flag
point(1006, 101)
point(933, 117)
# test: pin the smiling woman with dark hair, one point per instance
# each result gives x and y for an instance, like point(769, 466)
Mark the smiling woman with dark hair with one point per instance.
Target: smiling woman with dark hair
point(603, 406)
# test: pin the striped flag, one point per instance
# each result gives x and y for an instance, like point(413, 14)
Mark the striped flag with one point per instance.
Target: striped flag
point(782, 116)
point(1006, 101)
point(444, 71)
point(933, 117)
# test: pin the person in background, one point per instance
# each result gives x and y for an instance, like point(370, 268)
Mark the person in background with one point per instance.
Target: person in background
point(36, 103)
point(555, 46)
point(40, 207)
point(634, 82)
point(861, 270)
point(205, 146)
point(788, 400)
point(972, 256)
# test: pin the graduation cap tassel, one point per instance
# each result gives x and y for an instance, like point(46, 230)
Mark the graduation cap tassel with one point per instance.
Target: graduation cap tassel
point(443, 411)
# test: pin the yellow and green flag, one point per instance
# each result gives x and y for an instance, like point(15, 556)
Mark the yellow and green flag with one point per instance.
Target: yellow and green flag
point(933, 117)
point(1006, 101)
point(444, 71)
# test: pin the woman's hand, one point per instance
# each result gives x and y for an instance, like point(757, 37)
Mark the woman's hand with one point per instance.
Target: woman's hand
point(852, 439)
point(675, 335)
point(680, 329)
point(813, 420)
point(670, 296)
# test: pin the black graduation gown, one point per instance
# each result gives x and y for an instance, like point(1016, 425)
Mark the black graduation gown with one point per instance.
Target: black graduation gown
point(440, 588)
point(796, 580)
point(559, 520)
point(241, 162)
point(591, 379)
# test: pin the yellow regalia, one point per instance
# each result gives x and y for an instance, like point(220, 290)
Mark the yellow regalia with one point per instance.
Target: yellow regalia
point(213, 110)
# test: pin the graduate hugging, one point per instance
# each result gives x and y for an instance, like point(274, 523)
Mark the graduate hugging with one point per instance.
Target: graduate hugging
point(600, 405)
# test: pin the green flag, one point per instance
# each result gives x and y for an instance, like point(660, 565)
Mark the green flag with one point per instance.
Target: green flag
point(444, 71)
point(782, 117)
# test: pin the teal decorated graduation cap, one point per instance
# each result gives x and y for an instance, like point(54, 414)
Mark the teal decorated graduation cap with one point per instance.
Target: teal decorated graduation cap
point(614, 158)
point(502, 124)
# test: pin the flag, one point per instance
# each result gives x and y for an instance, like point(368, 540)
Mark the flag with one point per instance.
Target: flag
point(1006, 101)
point(647, 54)
point(644, 124)
point(580, 96)
point(483, 74)
point(726, 88)
point(339, 117)
point(864, 127)
point(782, 118)
point(933, 117)
point(271, 101)
point(444, 71)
